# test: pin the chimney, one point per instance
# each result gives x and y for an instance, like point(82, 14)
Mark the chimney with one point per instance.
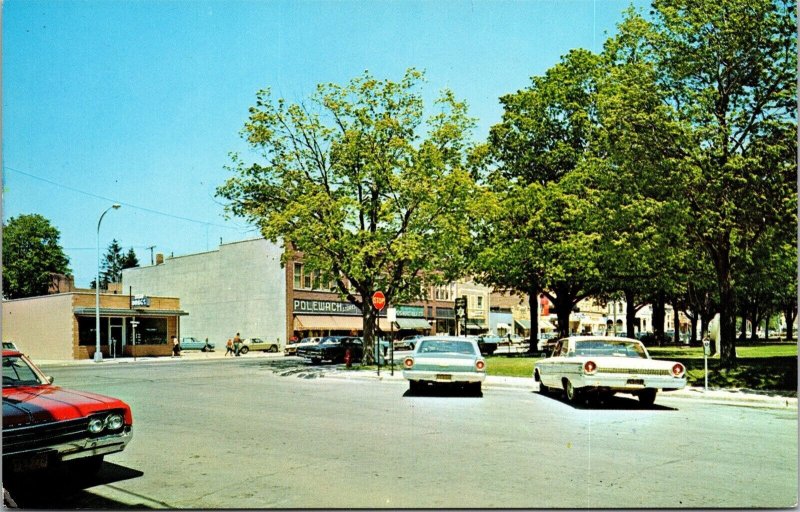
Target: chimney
point(159, 258)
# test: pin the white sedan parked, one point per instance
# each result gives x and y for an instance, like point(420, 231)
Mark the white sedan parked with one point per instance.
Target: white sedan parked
point(446, 360)
point(603, 365)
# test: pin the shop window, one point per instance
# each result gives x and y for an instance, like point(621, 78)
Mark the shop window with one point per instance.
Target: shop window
point(151, 331)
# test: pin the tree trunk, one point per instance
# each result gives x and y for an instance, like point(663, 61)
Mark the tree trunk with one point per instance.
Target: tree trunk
point(789, 314)
point(693, 339)
point(533, 305)
point(563, 310)
point(754, 325)
point(368, 316)
point(676, 335)
point(630, 312)
point(658, 318)
point(727, 324)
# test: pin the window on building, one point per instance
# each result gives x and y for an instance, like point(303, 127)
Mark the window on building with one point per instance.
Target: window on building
point(480, 302)
point(298, 275)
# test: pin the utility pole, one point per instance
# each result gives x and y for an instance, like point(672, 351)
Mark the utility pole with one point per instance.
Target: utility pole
point(151, 253)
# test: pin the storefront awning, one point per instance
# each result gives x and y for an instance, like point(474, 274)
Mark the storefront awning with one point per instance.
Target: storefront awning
point(130, 312)
point(313, 322)
point(543, 324)
point(473, 325)
point(412, 323)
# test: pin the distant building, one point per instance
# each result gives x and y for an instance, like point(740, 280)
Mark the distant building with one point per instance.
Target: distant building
point(62, 326)
point(239, 287)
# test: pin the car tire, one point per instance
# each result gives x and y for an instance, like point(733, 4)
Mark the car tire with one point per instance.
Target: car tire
point(647, 396)
point(244, 350)
point(316, 360)
point(572, 394)
point(273, 348)
point(204, 349)
point(543, 390)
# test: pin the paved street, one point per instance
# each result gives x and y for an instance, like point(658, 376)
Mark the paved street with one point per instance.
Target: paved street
point(270, 432)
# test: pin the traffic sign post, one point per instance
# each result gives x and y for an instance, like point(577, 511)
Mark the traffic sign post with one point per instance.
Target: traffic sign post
point(706, 352)
point(391, 316)
point(378, 301)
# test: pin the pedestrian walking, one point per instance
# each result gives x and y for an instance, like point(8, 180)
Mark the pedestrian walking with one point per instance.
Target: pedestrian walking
point(237, 344)
point(176, 347)
point(229, 347)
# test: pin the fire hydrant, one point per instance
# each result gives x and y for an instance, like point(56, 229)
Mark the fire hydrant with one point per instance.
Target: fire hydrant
point(347, 358)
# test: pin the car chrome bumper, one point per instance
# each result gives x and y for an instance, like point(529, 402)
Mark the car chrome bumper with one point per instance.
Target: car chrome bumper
point(444, 376)
point(629, 382)
point(80, 448)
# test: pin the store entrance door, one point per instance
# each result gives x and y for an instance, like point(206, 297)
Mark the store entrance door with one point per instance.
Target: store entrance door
point(116, 333)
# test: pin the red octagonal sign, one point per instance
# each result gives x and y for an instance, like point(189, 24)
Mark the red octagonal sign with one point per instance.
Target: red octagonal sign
point(378, 300)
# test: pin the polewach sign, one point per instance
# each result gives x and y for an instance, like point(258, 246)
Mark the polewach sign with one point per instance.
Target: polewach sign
point(325, 307)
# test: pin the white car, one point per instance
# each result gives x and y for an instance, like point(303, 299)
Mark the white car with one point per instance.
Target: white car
point(445, 360)
point(291, 348)
point(604, 365)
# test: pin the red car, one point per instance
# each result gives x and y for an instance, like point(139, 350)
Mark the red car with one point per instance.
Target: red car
point(45, 425)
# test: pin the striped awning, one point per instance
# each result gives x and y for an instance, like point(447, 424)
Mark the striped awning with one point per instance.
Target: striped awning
point(412, 323)
point(333, 323)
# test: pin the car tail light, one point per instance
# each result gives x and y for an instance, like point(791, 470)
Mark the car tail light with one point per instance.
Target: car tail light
point(408, 362)
point(589, 367)
point(678, 370)
point(480, 365)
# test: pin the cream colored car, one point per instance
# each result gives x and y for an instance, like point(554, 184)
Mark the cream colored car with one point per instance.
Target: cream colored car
point(596, 366)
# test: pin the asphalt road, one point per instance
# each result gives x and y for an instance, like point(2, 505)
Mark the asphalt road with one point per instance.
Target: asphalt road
point(274, 433)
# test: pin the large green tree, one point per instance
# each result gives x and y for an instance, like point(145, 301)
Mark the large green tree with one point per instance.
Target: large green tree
point(539, 235)
point(31, 255)
point(729, 70)
point(372, 193)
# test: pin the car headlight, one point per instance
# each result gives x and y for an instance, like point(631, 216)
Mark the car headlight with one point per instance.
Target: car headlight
point(96, 425)
point(114, 421)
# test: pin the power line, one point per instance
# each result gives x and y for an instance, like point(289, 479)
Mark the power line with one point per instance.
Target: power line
point(130, 205)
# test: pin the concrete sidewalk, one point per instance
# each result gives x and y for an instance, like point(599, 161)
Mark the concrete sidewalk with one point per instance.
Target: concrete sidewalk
point(741, 397)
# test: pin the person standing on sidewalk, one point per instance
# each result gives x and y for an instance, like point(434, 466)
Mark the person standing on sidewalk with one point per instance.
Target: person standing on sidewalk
point(237, 344)
point(229, 347)
point(176, 347)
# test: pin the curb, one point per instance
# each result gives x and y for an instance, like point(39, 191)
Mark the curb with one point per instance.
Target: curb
point(734, 396)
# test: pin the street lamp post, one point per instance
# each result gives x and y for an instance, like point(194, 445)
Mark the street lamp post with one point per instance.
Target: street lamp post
point(98, 356)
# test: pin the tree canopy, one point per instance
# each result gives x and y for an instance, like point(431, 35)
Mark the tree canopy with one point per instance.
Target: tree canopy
point(31, 255)
point(356, 179)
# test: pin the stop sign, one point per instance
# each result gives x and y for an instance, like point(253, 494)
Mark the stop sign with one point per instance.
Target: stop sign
point(378, 300)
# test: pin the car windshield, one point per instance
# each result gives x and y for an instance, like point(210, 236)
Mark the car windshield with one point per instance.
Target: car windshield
point(17, 372)
point(609, 348)
point(330, 342)
point(446, 346)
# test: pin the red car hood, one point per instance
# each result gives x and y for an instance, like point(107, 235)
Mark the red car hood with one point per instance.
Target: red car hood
point(30, 405)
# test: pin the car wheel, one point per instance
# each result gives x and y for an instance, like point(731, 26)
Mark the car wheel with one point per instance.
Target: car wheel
point(316, 360)
point(204, 349)
point(573, 396)
point(244, 350)
point(543, 390)
point(647, 396)
point(273, 348)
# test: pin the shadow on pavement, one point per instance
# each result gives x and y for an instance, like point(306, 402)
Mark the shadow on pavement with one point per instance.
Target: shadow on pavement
point(62, 488)
point(616, 402)
point(443, 390)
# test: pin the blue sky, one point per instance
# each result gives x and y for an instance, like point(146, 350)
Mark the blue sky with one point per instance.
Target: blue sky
point(140, 102)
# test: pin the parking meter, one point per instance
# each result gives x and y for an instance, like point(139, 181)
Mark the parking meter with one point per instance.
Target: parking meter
point(706, 353)
point(706, 347)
